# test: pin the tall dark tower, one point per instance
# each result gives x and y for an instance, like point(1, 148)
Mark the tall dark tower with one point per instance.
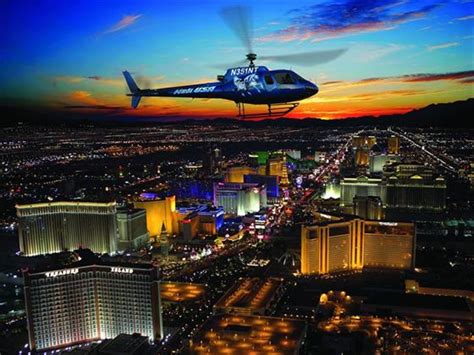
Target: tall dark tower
point(164, 241)
point(213, 162)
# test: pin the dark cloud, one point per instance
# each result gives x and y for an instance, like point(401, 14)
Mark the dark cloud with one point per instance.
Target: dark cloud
point(468, 81)
point(332, 82)
point(333, 19)
point(423, 77)
point(96, 107)
point(435, 77)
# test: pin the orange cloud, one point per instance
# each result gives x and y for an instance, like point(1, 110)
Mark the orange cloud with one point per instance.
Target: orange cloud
point(83, 97)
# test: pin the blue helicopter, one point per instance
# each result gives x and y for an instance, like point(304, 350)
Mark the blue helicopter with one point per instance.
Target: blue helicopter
point(279, 89)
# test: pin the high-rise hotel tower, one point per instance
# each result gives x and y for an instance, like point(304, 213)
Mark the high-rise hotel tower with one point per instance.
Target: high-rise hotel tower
point(87, 302)
point(58, 226)
point(333, 244)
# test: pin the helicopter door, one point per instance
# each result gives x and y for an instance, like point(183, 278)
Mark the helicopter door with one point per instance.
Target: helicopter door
point(269, 82)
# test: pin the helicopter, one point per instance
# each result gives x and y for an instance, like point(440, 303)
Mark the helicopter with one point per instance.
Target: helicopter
point(281, 89)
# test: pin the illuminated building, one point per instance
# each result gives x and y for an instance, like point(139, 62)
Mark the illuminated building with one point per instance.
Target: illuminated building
point(236, 174)
point(334, 244)
point(403, 186)
point(332, 191)
point(188, 222)
point(260, 157)
point(284, 174)
point(368, 207)
point(357, 141)
point(329, 246)
point(389, 245)
point(213, 162)
point(210, 219)
point(192, 170)
point(199, 219)
point(361, 186)
point(320, 156)
point(158, 211)
point(258, 226)
point(177, 292)
point(262, 170)
point(413, 286)
point(377, 162)
point(393, 145)
point(293, 153)
point(370, 141)
point(57, 226)
point(132, 231)
point(249, 296)
point(275, 166)
point(164, 241)
point(362, 157)
point(363, 141)
point(249, 334)
point(88, 302)
point(415, 186)
point(240, 199)
point(271, 182)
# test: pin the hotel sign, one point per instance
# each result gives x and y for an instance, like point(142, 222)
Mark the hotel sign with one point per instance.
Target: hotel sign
point(389, 224)
point(122, 270)
point(61, 272)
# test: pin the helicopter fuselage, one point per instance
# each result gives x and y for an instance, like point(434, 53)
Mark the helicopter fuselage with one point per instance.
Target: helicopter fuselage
point(249, 85)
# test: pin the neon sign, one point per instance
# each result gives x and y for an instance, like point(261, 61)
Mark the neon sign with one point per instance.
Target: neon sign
point(389, 224)
point(61, 272)
point(122, 270)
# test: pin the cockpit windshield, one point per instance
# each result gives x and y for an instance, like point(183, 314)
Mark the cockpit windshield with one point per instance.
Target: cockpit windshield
point(284, 78)
point(299, 78)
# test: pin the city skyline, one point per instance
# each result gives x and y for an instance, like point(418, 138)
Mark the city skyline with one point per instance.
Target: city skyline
point(400, 55)
point(200, 238)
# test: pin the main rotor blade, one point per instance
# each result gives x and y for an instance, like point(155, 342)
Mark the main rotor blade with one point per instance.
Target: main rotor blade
point(239, 19)
point(306, 58)
point(222, 66)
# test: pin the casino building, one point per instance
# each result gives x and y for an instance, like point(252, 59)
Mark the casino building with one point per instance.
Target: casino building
point(402, 187)
point(393, 145)
point(88, 302)
point(57, 226)
point(240, 199)
point(333, 244)
point(158, 211)
point(132, 229)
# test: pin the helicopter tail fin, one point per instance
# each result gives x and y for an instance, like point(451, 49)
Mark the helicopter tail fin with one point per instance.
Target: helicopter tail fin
point(134, 89)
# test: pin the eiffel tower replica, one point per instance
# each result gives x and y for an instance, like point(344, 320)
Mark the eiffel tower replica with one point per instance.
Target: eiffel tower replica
point(284, 181)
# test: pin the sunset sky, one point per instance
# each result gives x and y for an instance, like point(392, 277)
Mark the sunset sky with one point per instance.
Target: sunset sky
point(68, 55)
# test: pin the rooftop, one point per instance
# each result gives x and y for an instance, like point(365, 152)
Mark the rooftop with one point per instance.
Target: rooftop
point(181, 292)
point(249, 334)
point(250, 294)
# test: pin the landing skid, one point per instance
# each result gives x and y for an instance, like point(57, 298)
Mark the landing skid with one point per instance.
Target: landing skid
point(274, 110)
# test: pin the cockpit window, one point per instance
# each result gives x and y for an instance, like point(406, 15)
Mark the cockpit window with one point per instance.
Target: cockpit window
point(284, 78)
point(299, 78)
point(269, 79)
